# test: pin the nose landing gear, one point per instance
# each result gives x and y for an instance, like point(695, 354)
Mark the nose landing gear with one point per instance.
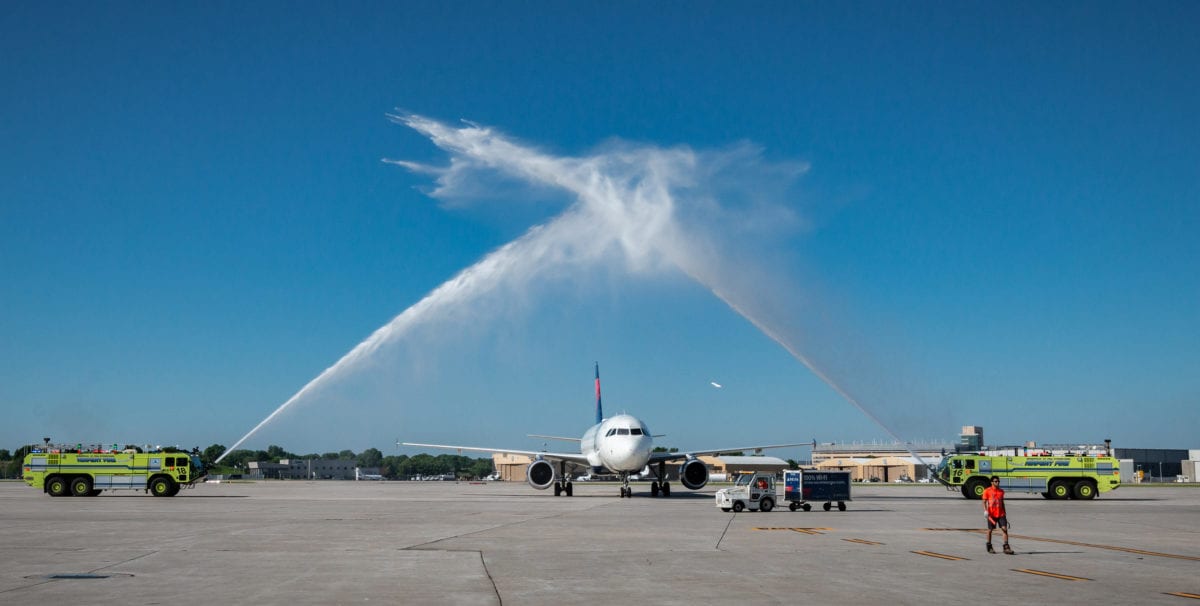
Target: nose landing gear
point(663, 487)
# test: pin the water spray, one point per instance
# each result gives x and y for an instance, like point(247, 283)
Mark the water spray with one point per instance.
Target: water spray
point(627, 205)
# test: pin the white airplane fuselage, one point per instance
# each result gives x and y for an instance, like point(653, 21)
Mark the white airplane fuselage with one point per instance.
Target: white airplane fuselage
point(621, 444)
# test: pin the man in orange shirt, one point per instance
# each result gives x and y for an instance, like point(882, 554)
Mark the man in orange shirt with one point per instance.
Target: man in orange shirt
point(993, 505)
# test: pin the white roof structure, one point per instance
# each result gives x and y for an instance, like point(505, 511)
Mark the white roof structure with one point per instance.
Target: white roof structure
point(742, 461)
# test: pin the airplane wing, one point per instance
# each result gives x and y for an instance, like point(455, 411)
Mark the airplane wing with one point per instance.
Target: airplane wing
point(656, 457)
point(535, 435)
point(549, 456)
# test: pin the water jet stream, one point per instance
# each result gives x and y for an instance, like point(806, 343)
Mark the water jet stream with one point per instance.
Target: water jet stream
point(651, 209)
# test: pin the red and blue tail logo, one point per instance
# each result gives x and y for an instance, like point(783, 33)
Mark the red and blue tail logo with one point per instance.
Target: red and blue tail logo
point(599, 409)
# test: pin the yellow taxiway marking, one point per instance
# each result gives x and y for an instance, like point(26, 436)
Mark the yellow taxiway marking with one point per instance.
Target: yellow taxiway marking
point(1050, 574)
point(1182, 594)
point(1078, 544)
point(943, 556)
point(863, 541)
point(793, 529)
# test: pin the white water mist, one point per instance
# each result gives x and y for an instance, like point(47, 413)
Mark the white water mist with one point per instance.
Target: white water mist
point(645, 209)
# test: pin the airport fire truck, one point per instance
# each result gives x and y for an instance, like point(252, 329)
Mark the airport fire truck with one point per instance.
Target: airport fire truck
point(86, 472)
point(1055, 477)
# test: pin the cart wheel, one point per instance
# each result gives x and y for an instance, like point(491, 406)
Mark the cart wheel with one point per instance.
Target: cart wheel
point(738, 506)
point(792, 506)
point(828, 506)
point(841, 506)
point(807, 507)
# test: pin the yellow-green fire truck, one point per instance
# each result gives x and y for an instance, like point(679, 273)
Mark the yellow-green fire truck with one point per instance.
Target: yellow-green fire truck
point(1055, 477)
point(62, 472)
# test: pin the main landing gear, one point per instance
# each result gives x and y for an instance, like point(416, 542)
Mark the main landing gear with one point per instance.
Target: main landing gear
point(563, 484)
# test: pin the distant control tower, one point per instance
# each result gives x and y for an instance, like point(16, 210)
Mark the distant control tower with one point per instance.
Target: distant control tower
point(971, 439)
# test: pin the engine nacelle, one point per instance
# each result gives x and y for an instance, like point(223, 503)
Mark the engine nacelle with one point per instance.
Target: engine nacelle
point(540, 474)
point(693, 474)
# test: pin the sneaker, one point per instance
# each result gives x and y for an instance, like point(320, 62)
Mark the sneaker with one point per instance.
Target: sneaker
point(990, 550)
point(1008, 550)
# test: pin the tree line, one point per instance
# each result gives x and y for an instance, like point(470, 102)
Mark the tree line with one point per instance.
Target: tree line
point(398, 467)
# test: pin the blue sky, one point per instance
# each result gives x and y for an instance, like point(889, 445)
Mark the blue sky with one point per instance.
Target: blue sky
point(960, 214)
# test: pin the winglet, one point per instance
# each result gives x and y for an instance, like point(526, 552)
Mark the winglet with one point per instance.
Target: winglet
point(599, 409)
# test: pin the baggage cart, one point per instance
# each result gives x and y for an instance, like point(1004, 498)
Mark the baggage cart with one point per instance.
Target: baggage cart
point(803, 487)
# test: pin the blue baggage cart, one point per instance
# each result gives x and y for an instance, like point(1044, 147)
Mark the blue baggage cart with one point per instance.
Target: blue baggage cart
point(802, 487)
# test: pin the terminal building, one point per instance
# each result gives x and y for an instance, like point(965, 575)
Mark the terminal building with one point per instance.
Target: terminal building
point(308, 469)
point(881, 462)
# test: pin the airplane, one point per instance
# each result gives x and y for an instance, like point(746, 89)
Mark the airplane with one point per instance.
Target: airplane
point(359, 475)
point(621, 445)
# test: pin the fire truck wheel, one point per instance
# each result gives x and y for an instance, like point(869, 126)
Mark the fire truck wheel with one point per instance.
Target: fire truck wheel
point(766, 505)
point(1085, 490)
point(1060, 489)
point(57, 486)
point(974, 488)
point(160, 487)
point(738, 506)
point(81, 486)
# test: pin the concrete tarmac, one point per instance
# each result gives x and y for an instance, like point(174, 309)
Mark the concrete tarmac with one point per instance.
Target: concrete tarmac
point(281, 542)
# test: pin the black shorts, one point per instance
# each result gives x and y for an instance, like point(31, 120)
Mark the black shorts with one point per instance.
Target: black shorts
point(1001, 521)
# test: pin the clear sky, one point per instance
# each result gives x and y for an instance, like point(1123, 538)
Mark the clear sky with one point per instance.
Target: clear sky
point(957, 214)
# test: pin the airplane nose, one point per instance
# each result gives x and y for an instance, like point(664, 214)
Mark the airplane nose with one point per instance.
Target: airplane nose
point(630, 454)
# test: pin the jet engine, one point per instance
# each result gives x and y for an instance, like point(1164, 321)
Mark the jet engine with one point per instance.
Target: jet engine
point(540, 474)
point(693, 474)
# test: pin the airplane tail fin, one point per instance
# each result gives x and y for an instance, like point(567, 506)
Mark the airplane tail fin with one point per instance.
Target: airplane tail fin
point(599, 409)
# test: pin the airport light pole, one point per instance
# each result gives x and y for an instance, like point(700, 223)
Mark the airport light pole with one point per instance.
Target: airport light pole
point(1160, 476)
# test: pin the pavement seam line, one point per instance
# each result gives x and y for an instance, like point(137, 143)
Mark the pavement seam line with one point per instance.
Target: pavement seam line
point(724, 532)
point(483, 562)
point(419, 546)
point(144, 555)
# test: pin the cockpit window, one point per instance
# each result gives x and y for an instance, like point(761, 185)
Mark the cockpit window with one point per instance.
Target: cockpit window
point(611, 432)
point(623, 431)
point(637, 431)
